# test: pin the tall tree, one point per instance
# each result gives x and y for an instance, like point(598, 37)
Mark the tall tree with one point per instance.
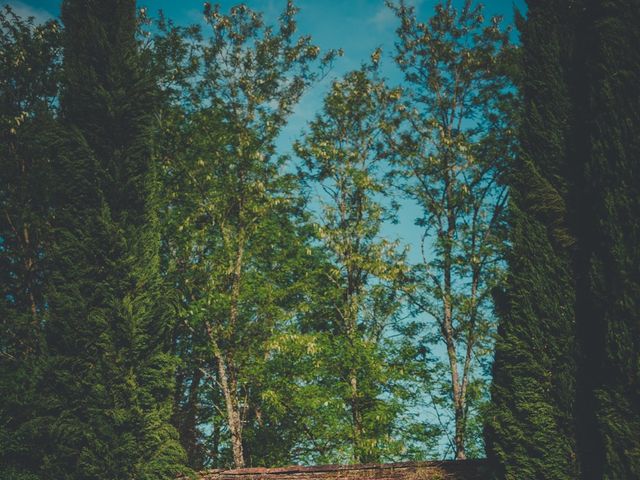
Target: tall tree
point(109, 377)
point(344, 155)
point(460, 112)
point(29, 83)
point(176, 61)
point(531, 430)
point(608, 234)
point(236, 251)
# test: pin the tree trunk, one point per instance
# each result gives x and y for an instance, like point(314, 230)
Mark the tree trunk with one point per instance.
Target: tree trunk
point(356, 418)
point(225, 362)
point(234, 419)
point(351, 320)
point(459, 439)
point(457, 392)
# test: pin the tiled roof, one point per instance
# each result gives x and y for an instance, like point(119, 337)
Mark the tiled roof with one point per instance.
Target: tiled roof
point(445, 470)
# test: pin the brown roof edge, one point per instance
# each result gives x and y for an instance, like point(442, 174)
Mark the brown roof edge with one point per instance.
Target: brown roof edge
point(446, 465)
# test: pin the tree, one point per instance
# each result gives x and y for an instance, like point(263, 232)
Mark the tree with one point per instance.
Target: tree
point(566, 377)
point(460, 112)
point(109, 378)
point(236, 252)
point(531, 424)
point(175, 61)
point(607, 206)
point(29, 85)
point(344, 154)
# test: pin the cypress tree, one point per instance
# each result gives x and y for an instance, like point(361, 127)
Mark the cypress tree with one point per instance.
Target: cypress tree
point(530, 430)
point(608, 226)
point(109, 378)
point(586, 210)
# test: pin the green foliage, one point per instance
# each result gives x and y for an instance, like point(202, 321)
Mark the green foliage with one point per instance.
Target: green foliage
point(237, 248)
point(29, 82)
point(459, 112)
point(344, 154)
point(565, 395)
point(608, 236)
point(108, 377)
point(531, 429)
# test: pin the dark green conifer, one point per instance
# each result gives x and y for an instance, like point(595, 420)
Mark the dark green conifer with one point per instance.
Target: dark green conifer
point(608, 226)
point(109, 383)
point(530, 429)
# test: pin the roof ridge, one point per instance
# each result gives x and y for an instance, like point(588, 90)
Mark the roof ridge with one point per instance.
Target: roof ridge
point(293, 469)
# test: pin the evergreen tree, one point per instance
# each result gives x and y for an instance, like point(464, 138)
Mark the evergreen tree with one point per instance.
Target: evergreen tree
point(608, 230)
point(530, 430)
point(109, 379)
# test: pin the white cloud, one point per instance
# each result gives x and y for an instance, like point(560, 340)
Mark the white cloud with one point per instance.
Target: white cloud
point(25, 10)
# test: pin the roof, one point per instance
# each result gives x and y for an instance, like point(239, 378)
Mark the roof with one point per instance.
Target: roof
point(449, 470)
